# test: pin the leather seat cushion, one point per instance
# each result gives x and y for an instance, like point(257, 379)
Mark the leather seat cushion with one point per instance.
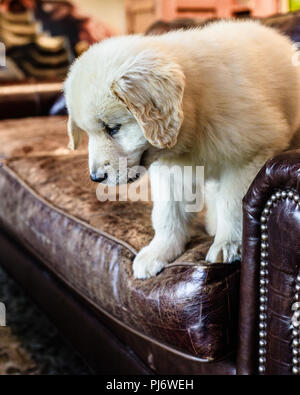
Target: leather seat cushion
point(48, 202)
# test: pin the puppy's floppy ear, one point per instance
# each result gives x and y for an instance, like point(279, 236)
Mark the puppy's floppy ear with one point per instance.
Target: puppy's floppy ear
point(152, 90)
point(75, 134)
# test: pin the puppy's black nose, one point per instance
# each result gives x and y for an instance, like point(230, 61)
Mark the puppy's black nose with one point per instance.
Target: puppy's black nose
point(98, 179)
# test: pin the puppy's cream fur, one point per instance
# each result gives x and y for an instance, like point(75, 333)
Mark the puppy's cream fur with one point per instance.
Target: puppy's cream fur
point(226, 97)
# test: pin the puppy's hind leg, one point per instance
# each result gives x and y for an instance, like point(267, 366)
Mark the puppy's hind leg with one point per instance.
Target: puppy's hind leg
point(211, 191)
point(234, 183)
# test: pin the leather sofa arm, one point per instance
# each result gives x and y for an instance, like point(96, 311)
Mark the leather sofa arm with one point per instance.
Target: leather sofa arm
point(269, 331)
point(20, 100)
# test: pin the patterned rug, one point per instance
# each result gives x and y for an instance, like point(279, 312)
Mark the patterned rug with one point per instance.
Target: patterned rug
point(30, 344)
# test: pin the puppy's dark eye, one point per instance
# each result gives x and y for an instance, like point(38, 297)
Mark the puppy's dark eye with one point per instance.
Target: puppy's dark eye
point(114, 130)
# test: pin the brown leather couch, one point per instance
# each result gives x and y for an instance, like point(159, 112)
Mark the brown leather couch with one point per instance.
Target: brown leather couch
point(73, 255)
point(25, 99)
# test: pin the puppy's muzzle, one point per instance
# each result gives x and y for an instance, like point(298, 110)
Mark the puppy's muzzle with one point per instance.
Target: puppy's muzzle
point(98, 179)
point(133, 179)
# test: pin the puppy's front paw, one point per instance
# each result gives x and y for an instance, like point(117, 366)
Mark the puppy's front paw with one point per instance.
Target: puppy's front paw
point(147, 263)
point(226, 251)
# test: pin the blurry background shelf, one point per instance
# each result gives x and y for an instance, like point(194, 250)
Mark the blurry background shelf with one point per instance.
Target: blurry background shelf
point(142, 13)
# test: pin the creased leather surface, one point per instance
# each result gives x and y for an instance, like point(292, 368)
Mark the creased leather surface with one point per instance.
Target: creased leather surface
point(189, 306)
point(280, 173)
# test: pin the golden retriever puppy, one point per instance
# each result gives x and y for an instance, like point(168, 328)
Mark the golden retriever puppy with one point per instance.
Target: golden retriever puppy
point(226, 97)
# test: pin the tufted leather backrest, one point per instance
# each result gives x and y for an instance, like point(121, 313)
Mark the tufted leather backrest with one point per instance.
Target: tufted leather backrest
point(268, 341)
